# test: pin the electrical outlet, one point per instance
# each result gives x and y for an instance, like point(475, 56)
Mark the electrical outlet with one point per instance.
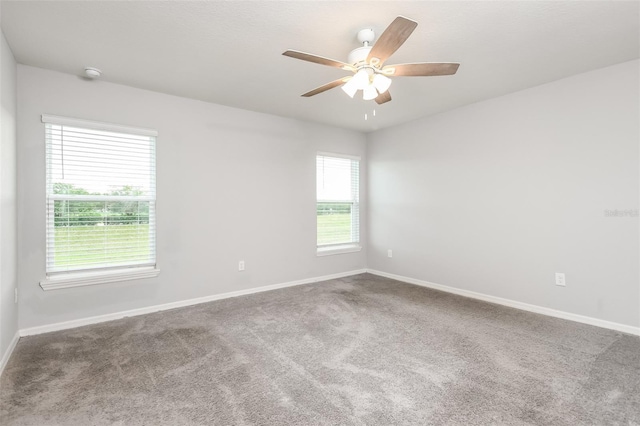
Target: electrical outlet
point(15, 295)
point(389, 253)
point(560, 279)
point(241, 265)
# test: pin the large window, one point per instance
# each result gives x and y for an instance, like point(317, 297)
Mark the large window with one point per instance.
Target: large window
point(338, 203)
point(101, 197)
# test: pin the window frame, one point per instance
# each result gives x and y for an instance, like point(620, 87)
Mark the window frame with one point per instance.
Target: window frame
point(352, 246)
point(99, 275)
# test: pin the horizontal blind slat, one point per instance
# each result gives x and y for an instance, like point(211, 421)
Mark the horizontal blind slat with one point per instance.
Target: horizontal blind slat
point(69, 136)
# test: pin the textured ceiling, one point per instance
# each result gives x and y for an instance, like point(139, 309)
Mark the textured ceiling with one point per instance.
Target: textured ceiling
point(230, 52)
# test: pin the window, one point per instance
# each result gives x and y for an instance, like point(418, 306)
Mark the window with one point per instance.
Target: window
point(337, 203)
point(101, 202)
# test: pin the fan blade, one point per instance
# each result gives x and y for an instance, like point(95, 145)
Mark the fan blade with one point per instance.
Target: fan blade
point(318, 60)
point(421, 69)
point(391, 39)
point(383, 97)
point(326, 87)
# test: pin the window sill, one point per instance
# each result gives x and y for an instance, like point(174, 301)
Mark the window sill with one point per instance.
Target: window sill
point(346, 248)
point(80, 279)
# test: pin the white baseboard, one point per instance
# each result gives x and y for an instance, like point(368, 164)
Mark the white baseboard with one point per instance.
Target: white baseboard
point(466, 293)
point(513, 304)
point(156, 308)
point(9, 351)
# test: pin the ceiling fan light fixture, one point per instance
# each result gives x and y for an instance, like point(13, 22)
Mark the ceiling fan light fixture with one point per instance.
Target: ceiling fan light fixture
point(361, 79)
point(350, 88)
point(381, 83)
point(369, 93)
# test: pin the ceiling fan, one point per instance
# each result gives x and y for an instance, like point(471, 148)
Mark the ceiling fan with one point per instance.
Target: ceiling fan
point(367, 63)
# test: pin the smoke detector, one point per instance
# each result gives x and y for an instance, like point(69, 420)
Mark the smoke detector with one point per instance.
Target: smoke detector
point(92, 72)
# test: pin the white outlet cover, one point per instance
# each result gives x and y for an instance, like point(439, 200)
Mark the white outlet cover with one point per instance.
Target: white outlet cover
point(560, 279)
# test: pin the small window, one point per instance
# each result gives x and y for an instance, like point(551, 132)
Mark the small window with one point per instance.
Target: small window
point(101, 197)
point(337, 203)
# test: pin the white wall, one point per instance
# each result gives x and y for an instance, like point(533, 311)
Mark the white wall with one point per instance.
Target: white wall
point(232, 185)
point(497, 196)
point(8, 265)
point(493, 197)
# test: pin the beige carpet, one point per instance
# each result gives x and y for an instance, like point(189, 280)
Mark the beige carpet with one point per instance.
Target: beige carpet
point(362, 350)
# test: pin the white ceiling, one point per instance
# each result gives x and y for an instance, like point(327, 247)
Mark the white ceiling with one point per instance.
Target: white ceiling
point(230, 52)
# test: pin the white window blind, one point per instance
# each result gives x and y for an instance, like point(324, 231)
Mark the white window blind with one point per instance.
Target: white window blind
point(101, 196)
point(338, 200)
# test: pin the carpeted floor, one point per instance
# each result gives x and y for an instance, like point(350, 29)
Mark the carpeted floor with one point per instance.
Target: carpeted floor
point(362, 350)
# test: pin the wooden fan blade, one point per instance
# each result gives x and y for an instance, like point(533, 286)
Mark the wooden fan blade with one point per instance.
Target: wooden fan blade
point(391, 39)
point(326, 87)
point(421, 69)
point(383, 97)
point(318, 60)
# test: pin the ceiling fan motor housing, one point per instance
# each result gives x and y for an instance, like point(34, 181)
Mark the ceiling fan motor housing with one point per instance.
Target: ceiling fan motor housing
point(359, 55)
